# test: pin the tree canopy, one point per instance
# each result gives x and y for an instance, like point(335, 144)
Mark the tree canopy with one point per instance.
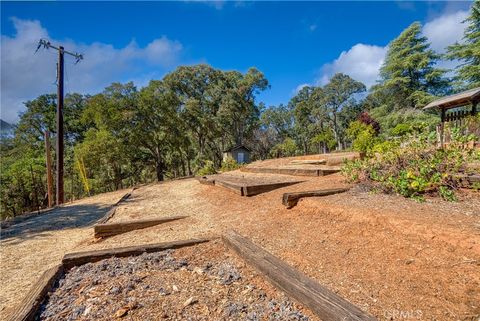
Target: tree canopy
point(468, 51)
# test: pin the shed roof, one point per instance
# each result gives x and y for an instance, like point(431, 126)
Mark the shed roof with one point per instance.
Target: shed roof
point(239, 146)
point(457, 100)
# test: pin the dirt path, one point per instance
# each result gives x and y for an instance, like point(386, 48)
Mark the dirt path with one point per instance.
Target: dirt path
point(388, 255)
point(29, 248)
point(393, 257)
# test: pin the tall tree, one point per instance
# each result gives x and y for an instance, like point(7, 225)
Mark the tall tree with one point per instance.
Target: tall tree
point(340, 95)
point(239, 112)
point(199, 90)
point(408, 76)
point(468, 52)
point(218, 107)
point(157, 128)
point(303, 105)
point(279, 119)
point(109, 116)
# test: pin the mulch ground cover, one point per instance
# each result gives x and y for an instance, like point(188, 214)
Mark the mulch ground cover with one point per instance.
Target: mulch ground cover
point(204, 282)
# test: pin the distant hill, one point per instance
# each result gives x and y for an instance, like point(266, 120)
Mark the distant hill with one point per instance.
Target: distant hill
point(6, 129)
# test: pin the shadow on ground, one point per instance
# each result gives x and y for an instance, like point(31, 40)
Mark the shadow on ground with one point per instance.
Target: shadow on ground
point(68, 217)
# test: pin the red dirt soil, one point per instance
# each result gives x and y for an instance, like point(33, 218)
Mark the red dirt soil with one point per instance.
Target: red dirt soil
point(393, 257)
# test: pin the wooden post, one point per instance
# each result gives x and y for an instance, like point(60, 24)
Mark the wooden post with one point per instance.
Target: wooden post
point(34, 189)
point(48, 157)
point(442, 128)
point(474, 108)
point(60, 192)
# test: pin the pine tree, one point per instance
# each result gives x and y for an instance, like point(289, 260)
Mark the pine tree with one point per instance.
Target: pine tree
point(408, 75)
point(468, 52)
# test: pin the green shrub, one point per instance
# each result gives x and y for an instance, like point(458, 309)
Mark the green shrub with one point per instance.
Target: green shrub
point(401, 130)
point(416, 169)
point(285, 149)
point(363, 136)
point(325, 137)
point(230, 165)
point(385, 146)
point(207, 169)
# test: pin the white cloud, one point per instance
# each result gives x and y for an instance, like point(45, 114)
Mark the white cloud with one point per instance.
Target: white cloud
point(362, 62)
point(445, 30)
point(26, 75)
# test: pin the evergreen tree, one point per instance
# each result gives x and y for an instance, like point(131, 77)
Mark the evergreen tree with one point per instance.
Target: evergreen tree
point(468, 52)
point(408, 76)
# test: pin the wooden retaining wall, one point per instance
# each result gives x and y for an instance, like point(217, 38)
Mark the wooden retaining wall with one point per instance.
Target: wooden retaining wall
point(324, 303)
point(111, 229)
point(291, 199)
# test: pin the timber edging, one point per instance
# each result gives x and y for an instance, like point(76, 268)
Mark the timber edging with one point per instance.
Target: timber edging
point(324, 303)
point(79, 258)
point(111, 229)
point(30, 304)
point(291, 199)
point(242, 188)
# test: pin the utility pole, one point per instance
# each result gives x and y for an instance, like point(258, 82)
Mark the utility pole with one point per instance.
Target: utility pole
point(60, 136)
point(48, 157)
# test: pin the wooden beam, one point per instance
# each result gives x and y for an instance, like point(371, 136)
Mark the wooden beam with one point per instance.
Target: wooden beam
point(110, 229)
point(74, 259)
point(340, 160)
point(235, 187)
point(28, 307)
point(291, 199)
point(250, 190)
point(283, 171)
point(308, 162)
point(324, 303)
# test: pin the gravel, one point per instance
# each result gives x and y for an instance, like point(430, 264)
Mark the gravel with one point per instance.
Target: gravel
point(166, 286)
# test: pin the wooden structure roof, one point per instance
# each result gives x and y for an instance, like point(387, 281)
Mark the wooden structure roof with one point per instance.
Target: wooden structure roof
point(239, 146)
point(471, 96)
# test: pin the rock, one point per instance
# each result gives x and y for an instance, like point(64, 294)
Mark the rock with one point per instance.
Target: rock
point(175, 288)
point(115, 290)
point(198, 270)
point(121, 312)
point(190, 301)
point(163, 292)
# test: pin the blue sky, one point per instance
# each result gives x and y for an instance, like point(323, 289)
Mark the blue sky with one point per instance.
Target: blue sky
point(293, 43)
